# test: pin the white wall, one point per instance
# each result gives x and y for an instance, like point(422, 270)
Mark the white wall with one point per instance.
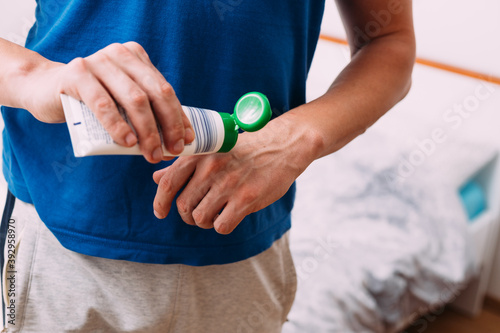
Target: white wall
point(462, 33)
point(16, 18)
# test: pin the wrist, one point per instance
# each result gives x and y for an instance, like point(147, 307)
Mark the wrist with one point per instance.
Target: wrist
point(24, 79)
point(301, 138)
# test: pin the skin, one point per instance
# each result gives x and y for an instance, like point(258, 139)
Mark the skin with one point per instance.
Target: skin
point(122, 72)
point(221, 189)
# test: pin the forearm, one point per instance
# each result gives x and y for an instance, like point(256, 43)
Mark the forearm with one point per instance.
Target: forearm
point(16, 65)
point(377, 78)
point(119, 73)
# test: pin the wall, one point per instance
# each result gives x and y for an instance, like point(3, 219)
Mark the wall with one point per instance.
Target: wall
point(460, 32)
point(16, 18)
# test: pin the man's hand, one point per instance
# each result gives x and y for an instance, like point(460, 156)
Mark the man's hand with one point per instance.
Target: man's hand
point(264, 164)
point(121, 73)
point(257, 172)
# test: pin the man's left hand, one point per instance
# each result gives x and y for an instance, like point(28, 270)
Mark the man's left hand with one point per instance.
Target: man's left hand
point(221, 189)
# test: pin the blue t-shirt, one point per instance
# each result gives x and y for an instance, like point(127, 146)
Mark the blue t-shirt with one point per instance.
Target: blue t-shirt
point(212, 52)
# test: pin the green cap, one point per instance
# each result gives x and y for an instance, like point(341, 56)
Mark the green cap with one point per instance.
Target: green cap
point(252, 111)
point(230, 133)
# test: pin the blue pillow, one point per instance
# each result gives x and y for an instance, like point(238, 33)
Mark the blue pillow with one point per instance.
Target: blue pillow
point(473, 199)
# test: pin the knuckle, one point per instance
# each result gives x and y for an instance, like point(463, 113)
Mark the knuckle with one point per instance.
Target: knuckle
point(230, 181)
point(176, 130)
point(248, 196)
point(117, 49)
point(116, 127)
point(103, 104)
point(137, 48)
point(138, 98)
point(79, 65)
point(182, 205)
point(222, 162)
point(166, 89)
point(165, 184)
point(109, 122)
point(134, 46)
point(210, 170)
point(199, 217)
point(159, 206)
point(151, 137)
point(100, 57)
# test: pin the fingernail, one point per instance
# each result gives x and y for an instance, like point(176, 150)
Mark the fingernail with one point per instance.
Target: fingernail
point(157, 154)
point(179, 146)
point(158, 216)
point(130, 139)
point(189, 135)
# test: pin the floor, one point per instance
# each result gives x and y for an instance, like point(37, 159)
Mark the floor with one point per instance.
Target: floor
point(450, 321)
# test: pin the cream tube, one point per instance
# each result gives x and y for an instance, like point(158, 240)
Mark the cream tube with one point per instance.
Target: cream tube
point(214, 132)
point(89, 137)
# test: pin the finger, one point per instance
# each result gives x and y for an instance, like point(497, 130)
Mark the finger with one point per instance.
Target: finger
point(140, 53)
point(157, 175)
point(174, 178)
point(189, 134)
point(190, 197)
point(229, 219)
point(135, 102)
point(176, 128)
point(152, 81)
point(208, 208)
point(88, 89)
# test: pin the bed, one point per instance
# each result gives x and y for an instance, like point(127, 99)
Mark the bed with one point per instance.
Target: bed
point(380, 232)
point(373, 251)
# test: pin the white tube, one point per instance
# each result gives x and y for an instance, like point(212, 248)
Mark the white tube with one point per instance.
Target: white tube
point(88, 136)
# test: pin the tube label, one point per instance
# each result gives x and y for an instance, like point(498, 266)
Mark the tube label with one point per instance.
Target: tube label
point(88, 136)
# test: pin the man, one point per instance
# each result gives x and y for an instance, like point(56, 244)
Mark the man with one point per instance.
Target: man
point(101, 261)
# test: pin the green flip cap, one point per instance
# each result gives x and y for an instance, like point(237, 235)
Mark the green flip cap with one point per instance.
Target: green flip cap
point(251, 113)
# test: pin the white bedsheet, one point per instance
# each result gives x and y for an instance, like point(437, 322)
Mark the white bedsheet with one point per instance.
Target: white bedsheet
point(374, 246)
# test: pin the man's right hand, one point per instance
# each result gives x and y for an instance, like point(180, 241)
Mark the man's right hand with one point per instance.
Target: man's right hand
point(121, 73)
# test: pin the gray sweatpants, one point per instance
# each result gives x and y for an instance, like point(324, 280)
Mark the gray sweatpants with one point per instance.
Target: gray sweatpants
point(56, 290)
